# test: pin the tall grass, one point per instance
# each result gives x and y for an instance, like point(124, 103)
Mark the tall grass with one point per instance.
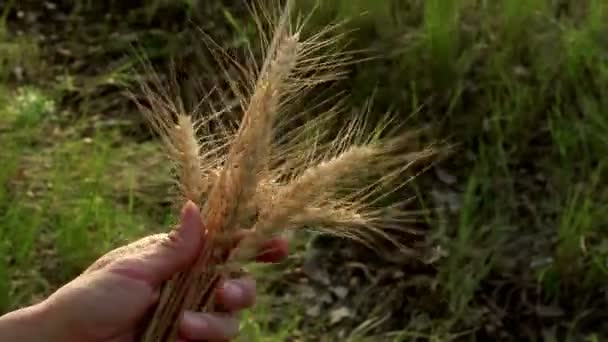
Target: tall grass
point(58, 199)
point(526, 92)
point(441, 32)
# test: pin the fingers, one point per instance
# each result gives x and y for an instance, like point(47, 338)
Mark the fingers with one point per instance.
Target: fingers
point(236, 295)
point(274, 250)
point(232, 295)
point(239, 294)
point(179, 248)
point(208, 327)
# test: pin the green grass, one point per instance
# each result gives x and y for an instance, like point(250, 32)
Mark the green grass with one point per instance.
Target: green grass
point(257, 324)
point(521, 91)
point(441, 38)
point(65, 198)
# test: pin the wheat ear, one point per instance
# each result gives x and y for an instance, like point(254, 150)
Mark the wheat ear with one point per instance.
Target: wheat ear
point(234, 187)
point(267, 183)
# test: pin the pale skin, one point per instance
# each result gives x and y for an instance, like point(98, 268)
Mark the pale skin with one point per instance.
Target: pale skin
point(109, 301)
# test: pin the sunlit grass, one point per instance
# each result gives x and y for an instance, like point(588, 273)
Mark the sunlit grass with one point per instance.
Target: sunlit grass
point(60, 206)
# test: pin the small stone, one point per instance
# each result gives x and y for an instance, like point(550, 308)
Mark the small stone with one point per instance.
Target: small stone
point(486, 125)
point(541, 262)
point(50, 6)
point(19, 73)
point(521, 71)
point(307, 292)
point(340, 291)
point(313, 311)
point(339, 314)
point(398, 274)
point(445, 177)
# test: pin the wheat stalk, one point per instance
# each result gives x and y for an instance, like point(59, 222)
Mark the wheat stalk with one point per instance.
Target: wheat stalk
point(250, 178)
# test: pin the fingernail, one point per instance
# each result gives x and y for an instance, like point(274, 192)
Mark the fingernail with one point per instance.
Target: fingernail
point(189, 210)
point(215, 327)
point(190, 218)
point(192, 321)
point(274, 250)
point(234, 290)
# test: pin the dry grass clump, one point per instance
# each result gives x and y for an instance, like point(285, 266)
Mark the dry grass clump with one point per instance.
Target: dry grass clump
point(267, 174)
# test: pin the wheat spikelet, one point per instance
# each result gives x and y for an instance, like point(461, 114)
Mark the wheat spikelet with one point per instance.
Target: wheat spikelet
point(187, 152)
point(253, 178)
point(331, 197)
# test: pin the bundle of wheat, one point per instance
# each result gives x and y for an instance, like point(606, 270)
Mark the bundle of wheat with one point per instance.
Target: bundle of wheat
point(253, 180)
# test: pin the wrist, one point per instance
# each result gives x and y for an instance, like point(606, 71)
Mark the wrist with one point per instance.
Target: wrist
point(33, 323)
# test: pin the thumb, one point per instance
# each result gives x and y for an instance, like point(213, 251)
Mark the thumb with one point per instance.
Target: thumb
point(178, 249)
point(159, 257)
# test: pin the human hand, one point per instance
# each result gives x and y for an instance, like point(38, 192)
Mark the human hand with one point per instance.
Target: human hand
point(110, 300)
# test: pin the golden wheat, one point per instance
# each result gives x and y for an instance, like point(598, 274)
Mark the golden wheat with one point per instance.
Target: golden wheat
point(270, 174)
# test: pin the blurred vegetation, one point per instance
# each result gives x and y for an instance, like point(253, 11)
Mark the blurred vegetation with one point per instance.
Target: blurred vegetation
point(520, 249)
